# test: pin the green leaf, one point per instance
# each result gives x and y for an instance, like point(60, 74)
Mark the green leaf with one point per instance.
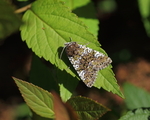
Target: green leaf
point(67, 84)
point(9, 21)
point(45, 77)
point(39, 100)
point(107, 81)
point(139, 114)
point(86, 108)
point(135, 97)
point(144, 6)
point(42, 76)
point(81, 8)
point(23, 110)
point(47, 30)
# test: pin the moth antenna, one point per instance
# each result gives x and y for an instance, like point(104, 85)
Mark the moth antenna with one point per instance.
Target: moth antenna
point(87, 43)
point(78, 42)
point(64, 49)
point(62, 52)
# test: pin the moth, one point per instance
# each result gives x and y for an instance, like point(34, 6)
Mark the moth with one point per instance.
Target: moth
point(86, 61)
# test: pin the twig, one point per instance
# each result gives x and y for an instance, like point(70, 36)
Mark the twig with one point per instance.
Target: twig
point(23, 9)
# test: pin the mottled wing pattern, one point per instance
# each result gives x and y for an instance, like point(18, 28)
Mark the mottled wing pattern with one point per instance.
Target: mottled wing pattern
point(86, 61)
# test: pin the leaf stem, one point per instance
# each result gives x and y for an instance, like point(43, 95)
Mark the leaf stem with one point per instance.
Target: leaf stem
point(20, 10)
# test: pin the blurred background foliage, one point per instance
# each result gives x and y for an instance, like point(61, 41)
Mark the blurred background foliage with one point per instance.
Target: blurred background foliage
point(124, 33)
